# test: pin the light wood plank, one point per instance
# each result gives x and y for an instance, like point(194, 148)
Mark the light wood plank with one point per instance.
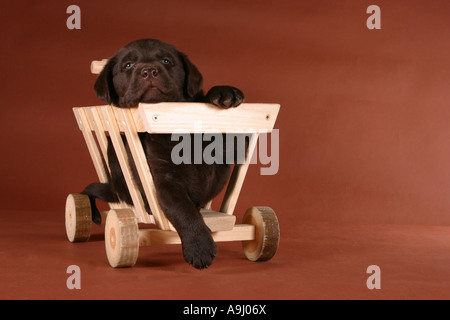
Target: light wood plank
point(127, 125)
point(97, 66)
point(237, 179)
point(218, 221)
point(85, 128)
point(151, 237)
point(97, 125)
point(187, 117)
point(114, 133)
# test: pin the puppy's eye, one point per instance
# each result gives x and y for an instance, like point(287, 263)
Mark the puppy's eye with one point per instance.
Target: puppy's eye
point(128, 65)
point(166, 61)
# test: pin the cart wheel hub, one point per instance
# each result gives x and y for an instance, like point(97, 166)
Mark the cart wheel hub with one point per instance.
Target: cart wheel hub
point(112, 238)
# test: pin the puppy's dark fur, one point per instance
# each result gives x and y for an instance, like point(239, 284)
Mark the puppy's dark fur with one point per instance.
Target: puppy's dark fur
point(152, 71)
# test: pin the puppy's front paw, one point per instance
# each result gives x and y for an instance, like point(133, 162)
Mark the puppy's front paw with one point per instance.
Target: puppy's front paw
point(200, 251)
point(225, 96)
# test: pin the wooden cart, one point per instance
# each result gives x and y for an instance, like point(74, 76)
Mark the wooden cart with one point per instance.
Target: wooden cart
point(259, 231)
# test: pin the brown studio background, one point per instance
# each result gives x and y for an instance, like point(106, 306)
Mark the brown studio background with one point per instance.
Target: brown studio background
point(364, 134)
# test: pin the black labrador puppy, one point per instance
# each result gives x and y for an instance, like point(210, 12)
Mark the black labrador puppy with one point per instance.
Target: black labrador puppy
point(152, 71)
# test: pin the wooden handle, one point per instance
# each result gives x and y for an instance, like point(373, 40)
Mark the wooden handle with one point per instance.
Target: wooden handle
point(97, 66)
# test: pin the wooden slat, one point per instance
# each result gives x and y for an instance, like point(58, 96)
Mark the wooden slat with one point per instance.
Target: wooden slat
point(208, 206)
point(127, 125)
point(114, 133)
point(85, 128)
point(237, 179)
point(187, 117)
point(218, 221)
point(97, 126)
point(151, 237)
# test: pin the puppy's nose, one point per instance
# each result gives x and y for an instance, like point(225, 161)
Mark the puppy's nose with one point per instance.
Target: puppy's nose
point(147, 72)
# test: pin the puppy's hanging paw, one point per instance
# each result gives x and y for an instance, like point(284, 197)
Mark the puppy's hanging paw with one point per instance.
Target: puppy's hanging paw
point(225, 96)
point(200, 251)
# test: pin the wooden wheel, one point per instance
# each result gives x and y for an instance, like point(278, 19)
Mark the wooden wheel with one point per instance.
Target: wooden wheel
point(267, 234)
point(121, 238)
point(78, 218)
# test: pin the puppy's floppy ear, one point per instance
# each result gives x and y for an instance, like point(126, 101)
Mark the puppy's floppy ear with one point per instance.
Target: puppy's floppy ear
point(194, 79)
point(104, 86)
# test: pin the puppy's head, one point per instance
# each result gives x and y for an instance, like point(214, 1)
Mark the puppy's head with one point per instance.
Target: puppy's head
point(149, 71)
